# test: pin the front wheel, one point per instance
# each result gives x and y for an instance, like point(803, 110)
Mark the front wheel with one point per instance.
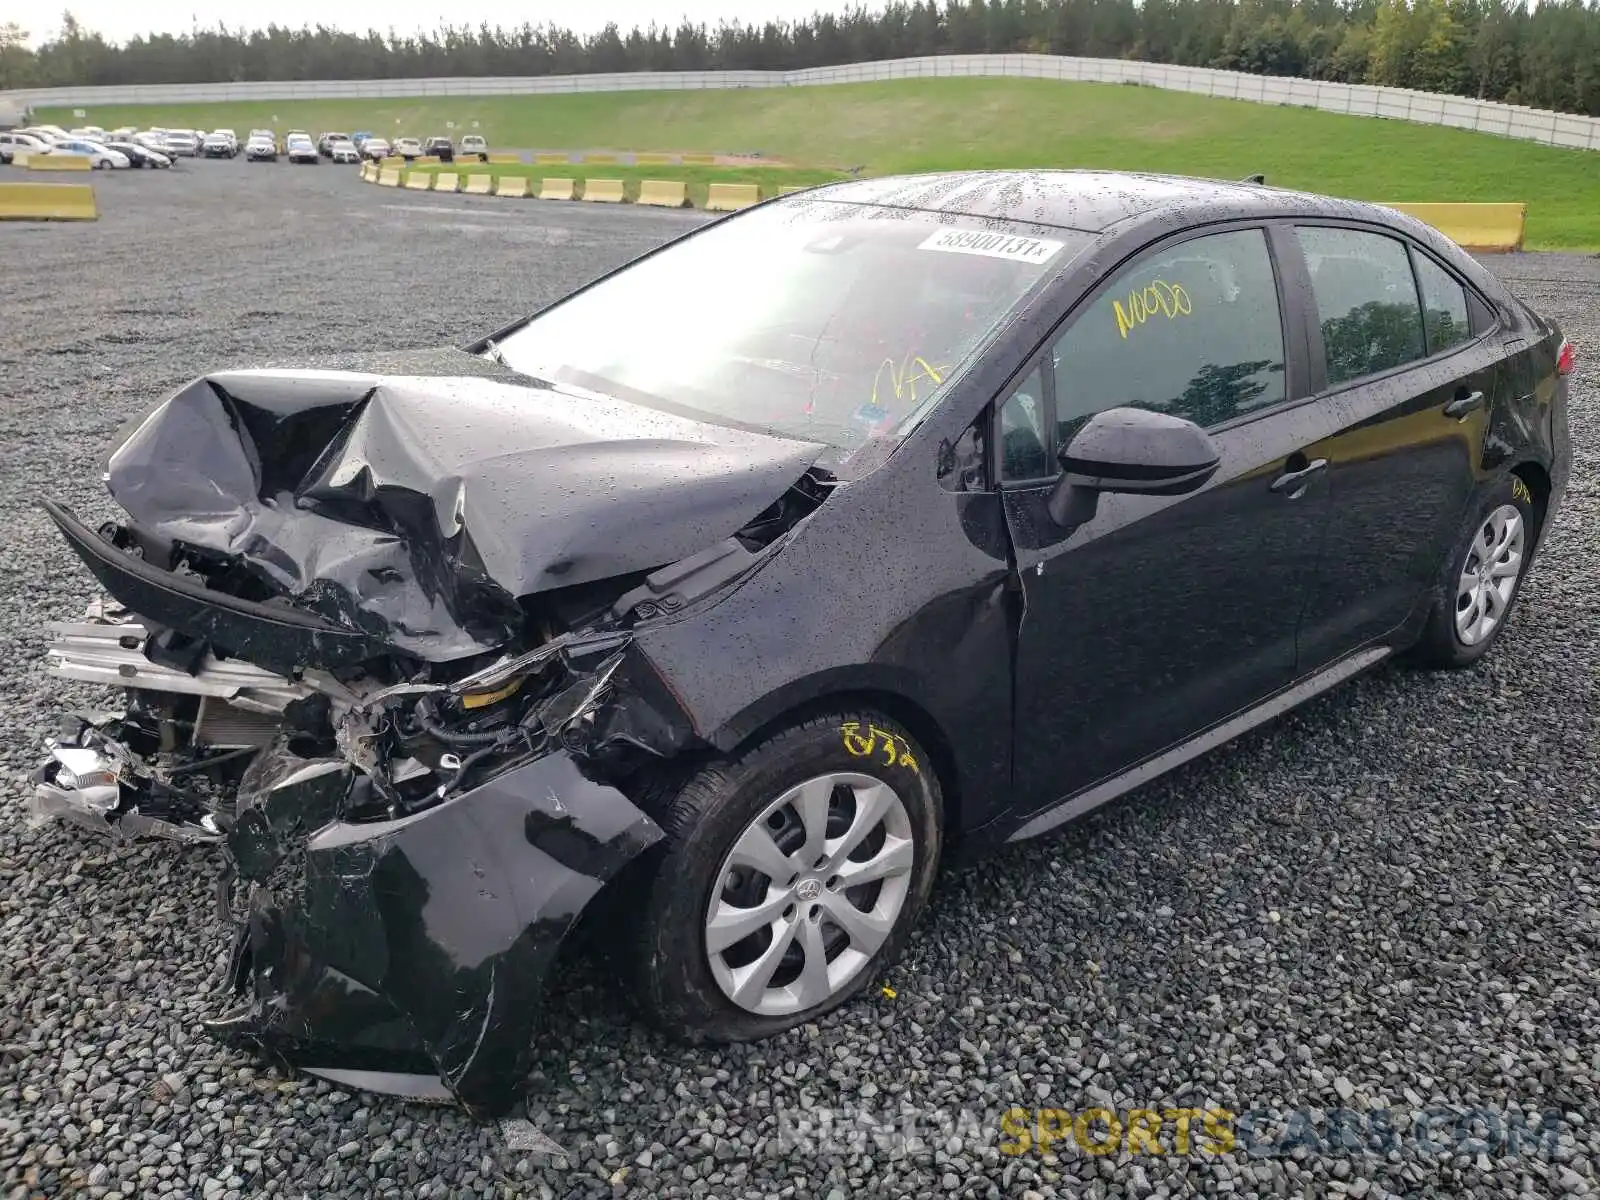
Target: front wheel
point(1480, 582)
point(790, 875)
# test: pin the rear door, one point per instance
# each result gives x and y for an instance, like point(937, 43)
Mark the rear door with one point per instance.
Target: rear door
point(1407, 367)
point(1162, 615)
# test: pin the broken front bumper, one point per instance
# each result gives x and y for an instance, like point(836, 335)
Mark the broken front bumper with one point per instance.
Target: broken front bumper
point(116, 772)
point(407, 956)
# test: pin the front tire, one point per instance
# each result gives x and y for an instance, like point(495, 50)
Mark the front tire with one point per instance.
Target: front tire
point(1481, 580)
point(789, 876)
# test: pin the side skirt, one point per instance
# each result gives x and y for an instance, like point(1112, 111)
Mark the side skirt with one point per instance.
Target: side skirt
point(1260, 714)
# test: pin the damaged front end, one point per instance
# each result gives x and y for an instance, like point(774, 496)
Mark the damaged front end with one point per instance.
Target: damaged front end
point(403, 859)
point(399, 685)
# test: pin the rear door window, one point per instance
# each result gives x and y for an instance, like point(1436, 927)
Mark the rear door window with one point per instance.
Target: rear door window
point(1366, 301)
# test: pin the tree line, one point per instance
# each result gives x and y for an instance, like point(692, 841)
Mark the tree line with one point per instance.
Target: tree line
point(1546, 56)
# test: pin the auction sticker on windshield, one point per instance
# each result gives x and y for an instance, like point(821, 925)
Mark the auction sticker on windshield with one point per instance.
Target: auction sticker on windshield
point(993, 245)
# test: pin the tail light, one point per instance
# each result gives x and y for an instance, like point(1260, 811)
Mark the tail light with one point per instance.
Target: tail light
point(1566, 358)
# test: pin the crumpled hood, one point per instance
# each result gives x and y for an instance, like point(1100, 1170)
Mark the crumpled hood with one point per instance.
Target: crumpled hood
point(419, 507)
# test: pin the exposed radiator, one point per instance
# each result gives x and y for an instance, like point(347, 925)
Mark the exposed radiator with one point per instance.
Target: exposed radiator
point(223, 726)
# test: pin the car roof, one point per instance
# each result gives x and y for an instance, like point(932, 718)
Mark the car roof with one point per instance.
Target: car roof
point(1092, 201)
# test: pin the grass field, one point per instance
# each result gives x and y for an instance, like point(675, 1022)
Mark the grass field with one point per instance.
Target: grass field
point(922, 125)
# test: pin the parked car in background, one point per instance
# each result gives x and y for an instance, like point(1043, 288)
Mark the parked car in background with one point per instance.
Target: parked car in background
point(262, 133)
point(45, 133)
point(441, 148)
point(408, 148)
point(473, 146)
point(359, 139)
point(375, 148)
point(140, 156)
point(96, 152)
point(152, 139)
point(301, 149)
point(182, 145)
point(122, 134)
point(12, 144)
point(261, 148)
point(233, 138)
point(344, 151)
point(325, 143)
point(88, 133)
point(217, 146)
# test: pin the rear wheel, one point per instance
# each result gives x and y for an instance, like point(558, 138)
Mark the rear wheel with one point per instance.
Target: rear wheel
point(790, 876)
point(1481, 580)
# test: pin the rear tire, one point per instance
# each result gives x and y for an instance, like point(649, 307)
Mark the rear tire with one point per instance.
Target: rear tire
point(748, 924)
point(1481, 580)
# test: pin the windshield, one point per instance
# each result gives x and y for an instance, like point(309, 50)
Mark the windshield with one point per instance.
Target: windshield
point(832, 322)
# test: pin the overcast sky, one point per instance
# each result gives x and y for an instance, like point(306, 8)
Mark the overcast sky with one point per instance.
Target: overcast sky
point(117, 20)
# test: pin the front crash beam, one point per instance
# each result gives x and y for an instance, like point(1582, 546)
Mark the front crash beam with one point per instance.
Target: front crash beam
point(384, 954)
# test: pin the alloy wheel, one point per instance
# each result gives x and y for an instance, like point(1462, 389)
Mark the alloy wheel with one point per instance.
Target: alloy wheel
point(1489, 576)
point(811, 889)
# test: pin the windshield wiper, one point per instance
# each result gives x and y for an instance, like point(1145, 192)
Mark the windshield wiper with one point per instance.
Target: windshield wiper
point(493, 347)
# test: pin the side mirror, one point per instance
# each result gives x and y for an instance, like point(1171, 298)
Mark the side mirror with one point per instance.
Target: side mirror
point(1130, 450)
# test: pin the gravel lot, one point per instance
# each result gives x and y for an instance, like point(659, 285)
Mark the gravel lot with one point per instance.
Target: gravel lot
point(1386, 901)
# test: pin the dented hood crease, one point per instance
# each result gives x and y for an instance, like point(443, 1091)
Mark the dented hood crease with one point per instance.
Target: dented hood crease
point(419, 508)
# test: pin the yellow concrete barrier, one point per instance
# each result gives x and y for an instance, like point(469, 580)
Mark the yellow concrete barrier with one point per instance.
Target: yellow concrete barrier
point(597, 158)
point(425, 160)
point(558, 189)
point(605, 191)
point(504, 159)
point(479, 185)
point(512, 185)
point(552, 158)
point(393, 160)
point(369, 172)
point(1474, 226)
point(667, 193)
point(419, 181)
point(389, 177)
point(19, 159)
point(726, 197)
point(59, 162)
point(47, 201)
point(652, 160)
point(447, 181)
point(700, 160)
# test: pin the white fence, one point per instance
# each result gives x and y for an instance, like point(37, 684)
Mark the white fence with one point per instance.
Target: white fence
point(1429, 108)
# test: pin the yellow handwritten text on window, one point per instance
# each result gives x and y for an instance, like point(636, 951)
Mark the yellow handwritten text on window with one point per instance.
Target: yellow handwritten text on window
point(1157, 298)
point(905, 377)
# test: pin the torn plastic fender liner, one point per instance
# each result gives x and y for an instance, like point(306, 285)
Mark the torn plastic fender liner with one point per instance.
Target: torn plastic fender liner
point(418, 944)
point(276, 637)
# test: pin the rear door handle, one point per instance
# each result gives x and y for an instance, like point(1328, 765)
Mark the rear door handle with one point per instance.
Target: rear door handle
point(1295, 482)
point(1464, 403)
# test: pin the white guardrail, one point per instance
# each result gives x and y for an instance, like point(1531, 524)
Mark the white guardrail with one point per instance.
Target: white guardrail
point(1429, 108)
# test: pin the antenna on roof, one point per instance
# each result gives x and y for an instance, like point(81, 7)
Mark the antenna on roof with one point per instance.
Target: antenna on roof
point(1254, 179)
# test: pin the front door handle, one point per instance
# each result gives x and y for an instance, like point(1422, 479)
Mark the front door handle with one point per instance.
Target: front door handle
point(1464, 403)
point(1294, 483)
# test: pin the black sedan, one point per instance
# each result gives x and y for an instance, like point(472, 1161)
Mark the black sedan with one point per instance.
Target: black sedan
point(742, 586)
point(140, 156)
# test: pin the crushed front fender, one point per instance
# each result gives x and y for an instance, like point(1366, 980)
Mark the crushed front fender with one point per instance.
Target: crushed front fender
point(409, 955)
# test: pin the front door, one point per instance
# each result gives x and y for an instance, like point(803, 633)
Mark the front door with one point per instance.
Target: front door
point(1161, 615)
